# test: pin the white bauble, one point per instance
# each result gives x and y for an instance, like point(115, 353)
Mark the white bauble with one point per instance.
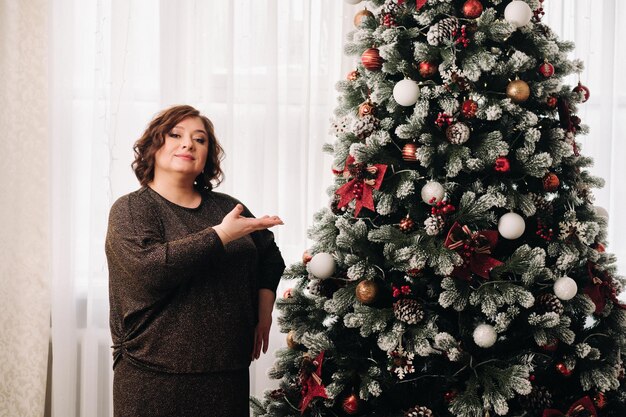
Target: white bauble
point(565, 288)
point(322, 265)
point(601, 212)
point(518, 12)
point(406, 92)
point(485, 335)
point(353, 1)
point(511, 226)
point(433, 190)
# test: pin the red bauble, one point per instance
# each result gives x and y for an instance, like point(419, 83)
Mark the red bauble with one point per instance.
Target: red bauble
point(581, 88)
point(563, 369)
point(448, 396)
point(408, 152)
point(599, 400)
point(306, 257)
point(351, 404)
point(551, 347)
point(551, 182)
point(353, 75)
point(600, 247)
point(469, 108)
point(552, 101)
point(502, 164)
point(371, 59)
point(472, 9)
point(546, 69)
point(428, 69)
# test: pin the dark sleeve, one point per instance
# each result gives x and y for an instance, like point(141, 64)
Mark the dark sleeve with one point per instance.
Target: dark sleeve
point(136, 246)
point(271, 263)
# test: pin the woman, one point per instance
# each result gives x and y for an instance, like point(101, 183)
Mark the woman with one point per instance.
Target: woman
point(192, 278)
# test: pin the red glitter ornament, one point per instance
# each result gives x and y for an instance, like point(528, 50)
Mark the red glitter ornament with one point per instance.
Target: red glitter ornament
point(428, 69)
point(472, 9)
point(551, 182)
point(599, 246)
point(371, 59)
point(552, 102)
point(546, 69)
point(582, 89)
point(353, 75)
point(563, 369)
point(599, 400)
point(351, 405)
point(469, 108)
point(502, 164)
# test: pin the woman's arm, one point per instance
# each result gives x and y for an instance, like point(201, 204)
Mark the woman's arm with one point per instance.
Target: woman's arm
point(262, 332)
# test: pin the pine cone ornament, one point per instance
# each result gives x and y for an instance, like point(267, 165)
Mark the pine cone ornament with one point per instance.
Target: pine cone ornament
point(442, 31)
point(419, 411)
point(549, 303)
point(391, 7)
point(408, 310)
point(364, 126)
point(538, 400)
point(543, 206)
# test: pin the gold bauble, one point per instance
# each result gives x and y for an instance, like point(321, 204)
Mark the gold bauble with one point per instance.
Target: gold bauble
point(518, 91)
point(358, 18)
point(291, 343)
point(367, 291)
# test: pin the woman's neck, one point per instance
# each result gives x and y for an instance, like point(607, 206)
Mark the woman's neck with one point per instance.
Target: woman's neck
point(177, 191)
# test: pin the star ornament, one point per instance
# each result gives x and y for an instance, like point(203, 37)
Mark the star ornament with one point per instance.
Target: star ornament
point(312, 384)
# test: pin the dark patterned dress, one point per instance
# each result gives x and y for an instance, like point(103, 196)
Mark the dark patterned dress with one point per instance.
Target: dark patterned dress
point(183, 306)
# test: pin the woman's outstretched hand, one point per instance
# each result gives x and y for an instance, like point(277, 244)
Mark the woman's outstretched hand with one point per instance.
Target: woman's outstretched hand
point(235, 226)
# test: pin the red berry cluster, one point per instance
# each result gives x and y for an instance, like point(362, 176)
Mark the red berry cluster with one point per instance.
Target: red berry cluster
point(544, 231)
point(443, 119)
point(538, 13)
point(442, 208)
point(403, 290)
point(357, 189)
point(389, 21)
point(462, 38)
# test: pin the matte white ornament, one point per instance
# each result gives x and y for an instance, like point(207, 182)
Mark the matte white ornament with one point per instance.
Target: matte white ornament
point(485, 336)
point(322, 265)
point(565, 288)
point(601, 212)
point(511, 226)
point(353, 1)
point(432, 193)
point(406, 92)
point(518, 12)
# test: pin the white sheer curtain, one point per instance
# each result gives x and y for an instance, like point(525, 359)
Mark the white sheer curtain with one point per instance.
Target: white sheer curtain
point(264, 72)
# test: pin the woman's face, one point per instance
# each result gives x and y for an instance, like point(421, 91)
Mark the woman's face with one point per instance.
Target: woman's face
point(184, 151)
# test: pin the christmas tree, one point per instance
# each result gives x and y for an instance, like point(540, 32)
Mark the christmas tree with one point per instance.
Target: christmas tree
point(460, 269)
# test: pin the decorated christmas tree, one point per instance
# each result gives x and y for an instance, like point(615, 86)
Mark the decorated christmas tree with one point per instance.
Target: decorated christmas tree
point(460, 268)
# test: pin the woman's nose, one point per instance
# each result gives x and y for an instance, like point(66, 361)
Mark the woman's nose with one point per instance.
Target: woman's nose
point(187, 142)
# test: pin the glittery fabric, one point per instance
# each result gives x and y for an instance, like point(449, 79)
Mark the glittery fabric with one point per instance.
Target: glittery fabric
point(183, 306)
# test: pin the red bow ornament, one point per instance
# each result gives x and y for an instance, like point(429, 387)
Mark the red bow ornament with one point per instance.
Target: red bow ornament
point(601, 289)
point(418, 3)
point(312, 383)
point(474, 248)
point(364, 180)
point(584, 404)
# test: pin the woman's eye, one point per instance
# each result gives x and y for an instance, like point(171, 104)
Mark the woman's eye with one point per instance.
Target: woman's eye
point(173, 135)
point(200, 140)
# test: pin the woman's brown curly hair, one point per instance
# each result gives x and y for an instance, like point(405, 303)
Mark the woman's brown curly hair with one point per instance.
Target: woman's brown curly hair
point(154, 137)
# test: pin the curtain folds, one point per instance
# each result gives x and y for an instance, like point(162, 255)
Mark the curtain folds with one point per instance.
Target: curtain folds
point(24, 208)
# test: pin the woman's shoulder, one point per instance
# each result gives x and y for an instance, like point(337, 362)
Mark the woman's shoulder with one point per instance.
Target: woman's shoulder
point(133, 204)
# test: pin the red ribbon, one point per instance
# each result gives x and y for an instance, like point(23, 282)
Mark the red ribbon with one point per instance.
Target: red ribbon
point(361, 189)
point(474, 248)
point(584, 404)
point(312, 384)
point(418, 3)
point(601, 289)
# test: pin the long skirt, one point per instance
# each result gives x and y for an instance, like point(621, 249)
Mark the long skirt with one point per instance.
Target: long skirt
point(138, 392)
